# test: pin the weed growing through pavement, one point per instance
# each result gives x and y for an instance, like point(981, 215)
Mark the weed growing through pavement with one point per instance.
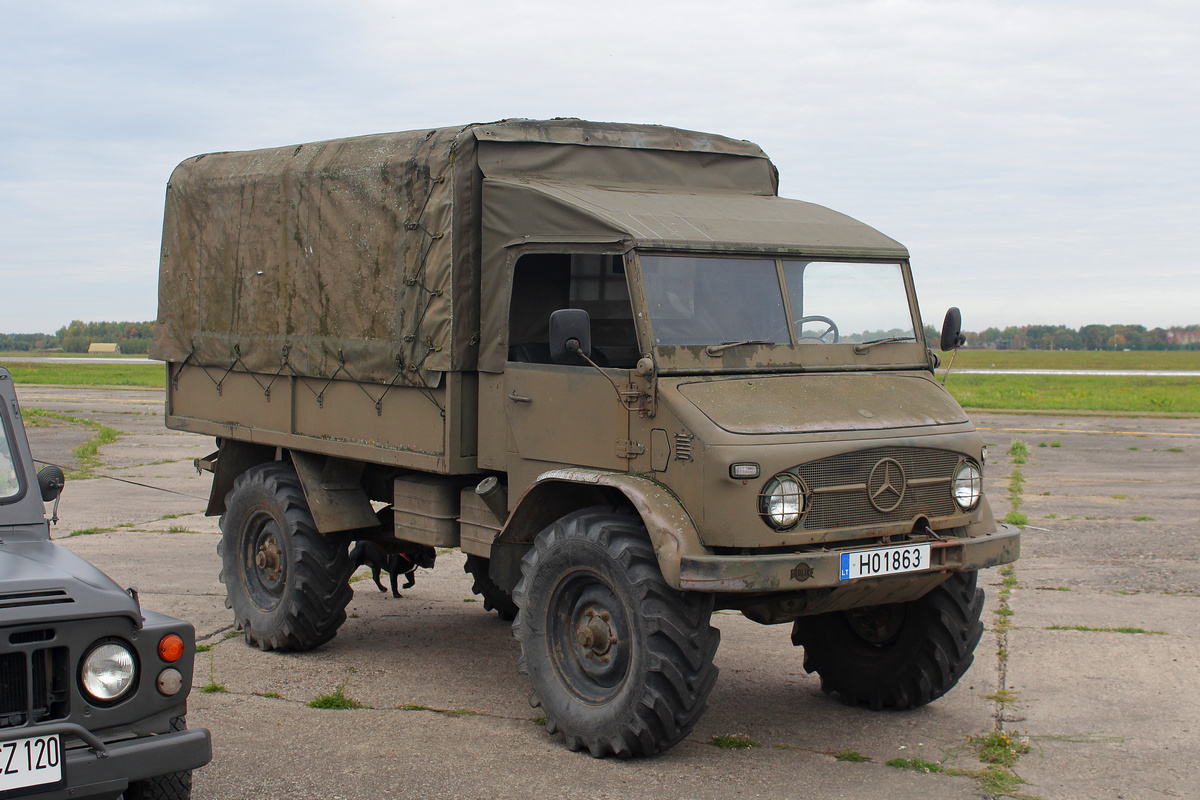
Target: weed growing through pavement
point(852, 756)
point(734, 742)
point(337, 699)
point(1018, 451)
point(1090, 629)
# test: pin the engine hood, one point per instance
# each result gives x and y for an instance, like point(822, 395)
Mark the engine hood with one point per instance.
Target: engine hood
point(41, 581)
point(821, 403)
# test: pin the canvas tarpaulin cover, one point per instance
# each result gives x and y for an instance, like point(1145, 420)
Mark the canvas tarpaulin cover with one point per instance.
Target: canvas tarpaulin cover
point(330, 259)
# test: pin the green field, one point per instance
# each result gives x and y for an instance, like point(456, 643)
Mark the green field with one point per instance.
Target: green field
point(1067, 393)
point(1075, 359)
point(151, 374)
point(1060, 393)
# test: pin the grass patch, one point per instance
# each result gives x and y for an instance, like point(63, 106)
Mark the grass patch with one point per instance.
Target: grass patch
point(1005, 698)
point(916, 765)
point(1016, 518)
point(853, 756)
point(88, 453)
point(212, 687)
point(90, 531)
point(1090, 629)
point(1143, 518)
point(149, 375)
point(1019, 451)
point(413, 707)
point(336, 699)
point(203, 648)
point(734, 742)
point(272, 695)
point(998, 781)
point(1000, 747)
point(178, 529)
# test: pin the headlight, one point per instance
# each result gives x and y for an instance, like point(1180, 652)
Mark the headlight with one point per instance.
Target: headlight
point(107, 672)
point(968, 486)
point(782, 501)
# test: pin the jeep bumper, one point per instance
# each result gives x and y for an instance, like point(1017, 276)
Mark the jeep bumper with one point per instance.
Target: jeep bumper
point(793, 572)
point(103, 771)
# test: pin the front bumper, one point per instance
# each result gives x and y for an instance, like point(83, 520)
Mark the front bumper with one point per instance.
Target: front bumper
point(794, 572)
point(103, 771)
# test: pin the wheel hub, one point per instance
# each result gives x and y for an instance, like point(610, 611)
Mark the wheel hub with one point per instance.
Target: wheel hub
point(595, 635)
point(269, 559)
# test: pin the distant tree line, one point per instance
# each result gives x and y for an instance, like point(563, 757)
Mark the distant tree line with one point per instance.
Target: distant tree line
point(1089, 337)
point(134, 337)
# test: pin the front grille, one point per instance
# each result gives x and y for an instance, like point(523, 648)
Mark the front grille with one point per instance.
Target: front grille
point(33, 686)
point(837, 487)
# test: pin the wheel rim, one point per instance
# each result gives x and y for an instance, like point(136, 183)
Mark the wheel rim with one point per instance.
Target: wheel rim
point(588, 630)
point(877, 625)
point(264, 562)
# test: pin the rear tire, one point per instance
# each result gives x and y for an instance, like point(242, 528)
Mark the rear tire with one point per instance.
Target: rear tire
point(286, 582)
point(896, 656)
point(620, 663)
point(494, 598)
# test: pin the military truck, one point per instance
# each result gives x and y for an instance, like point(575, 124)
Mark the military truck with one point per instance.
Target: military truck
point(93, 688)
point(610, 364)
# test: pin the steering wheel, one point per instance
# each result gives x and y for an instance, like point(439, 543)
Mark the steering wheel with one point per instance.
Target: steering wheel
point(820, 337)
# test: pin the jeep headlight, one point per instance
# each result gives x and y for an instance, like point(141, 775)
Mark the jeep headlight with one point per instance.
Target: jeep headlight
point(107, 672)
point(782, 501)
point(967, 486)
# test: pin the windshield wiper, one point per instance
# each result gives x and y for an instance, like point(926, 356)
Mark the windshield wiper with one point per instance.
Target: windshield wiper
point(863, 347)
point(717, 349)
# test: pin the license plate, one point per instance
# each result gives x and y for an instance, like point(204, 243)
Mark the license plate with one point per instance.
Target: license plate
point(885, 561)
point(30, 762)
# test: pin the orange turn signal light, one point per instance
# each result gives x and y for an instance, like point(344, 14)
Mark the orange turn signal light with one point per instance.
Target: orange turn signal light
point(170, 648)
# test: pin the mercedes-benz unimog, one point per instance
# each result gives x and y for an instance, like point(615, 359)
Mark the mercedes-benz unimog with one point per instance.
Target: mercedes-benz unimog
point(612, 366)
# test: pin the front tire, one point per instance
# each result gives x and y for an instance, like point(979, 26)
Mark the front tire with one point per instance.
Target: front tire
point(620, 663)
point(896, 656)
point(172, 786)
point(286, 582)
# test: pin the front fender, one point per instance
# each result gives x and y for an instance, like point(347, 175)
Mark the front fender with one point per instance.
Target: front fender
point(559, 491)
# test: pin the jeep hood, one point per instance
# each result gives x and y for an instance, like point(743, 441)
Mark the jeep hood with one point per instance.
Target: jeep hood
point(820, 403)
point(41, 581)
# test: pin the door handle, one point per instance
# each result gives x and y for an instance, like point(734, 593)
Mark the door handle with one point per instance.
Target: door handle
point(518, 398)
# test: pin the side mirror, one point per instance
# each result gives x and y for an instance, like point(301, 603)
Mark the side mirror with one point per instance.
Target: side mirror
point(570, 335)
point(51, 481)
point(952, 337)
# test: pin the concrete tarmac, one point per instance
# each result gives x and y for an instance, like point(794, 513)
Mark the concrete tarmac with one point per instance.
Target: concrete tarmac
point(1108, 711)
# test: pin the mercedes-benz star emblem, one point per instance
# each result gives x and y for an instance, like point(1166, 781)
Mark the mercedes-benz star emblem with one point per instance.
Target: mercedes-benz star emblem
point(885, 487)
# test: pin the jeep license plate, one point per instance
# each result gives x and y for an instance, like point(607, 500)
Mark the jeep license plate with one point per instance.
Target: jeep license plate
point(35, 761)
point(885, 561)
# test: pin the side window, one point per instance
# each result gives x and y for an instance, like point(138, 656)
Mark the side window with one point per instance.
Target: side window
point(10, 479)
point(545, 282)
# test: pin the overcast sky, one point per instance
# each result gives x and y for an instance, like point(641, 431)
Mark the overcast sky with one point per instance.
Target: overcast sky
point(1041, 160)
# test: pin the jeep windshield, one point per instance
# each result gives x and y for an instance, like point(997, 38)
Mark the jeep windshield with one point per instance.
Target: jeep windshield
point(10, 477)
point(779, 312)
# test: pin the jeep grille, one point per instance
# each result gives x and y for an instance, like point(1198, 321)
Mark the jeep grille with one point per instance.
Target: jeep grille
point(33, 686)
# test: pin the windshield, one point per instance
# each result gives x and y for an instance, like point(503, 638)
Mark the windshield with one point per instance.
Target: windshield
point(864, 302)
point(696, 300)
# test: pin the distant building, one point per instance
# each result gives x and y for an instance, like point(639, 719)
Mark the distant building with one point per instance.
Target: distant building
point(1179, 337)
point(104, 347)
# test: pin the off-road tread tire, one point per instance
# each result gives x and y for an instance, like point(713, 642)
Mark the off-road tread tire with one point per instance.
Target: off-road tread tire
point(934, 649)
point(172, 786)
point(313, 605)
point(673, 641)
point(494, 598)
